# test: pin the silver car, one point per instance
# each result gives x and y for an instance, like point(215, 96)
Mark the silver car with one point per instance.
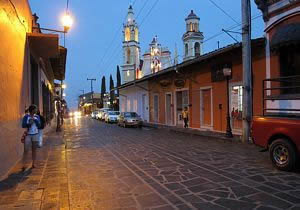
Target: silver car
point(112, 116)
point(126, 119)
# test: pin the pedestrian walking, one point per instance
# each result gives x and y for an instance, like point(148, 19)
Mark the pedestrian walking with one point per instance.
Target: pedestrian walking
point(31, 121)
point(185, 116)
point(43, 124)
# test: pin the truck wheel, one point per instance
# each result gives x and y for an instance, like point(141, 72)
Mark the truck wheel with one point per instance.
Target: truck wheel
point(283, 154)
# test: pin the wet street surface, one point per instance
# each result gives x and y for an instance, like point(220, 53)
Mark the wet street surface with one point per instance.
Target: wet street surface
point(103, 166)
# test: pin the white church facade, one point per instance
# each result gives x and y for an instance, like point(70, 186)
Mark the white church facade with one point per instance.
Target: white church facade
point(134, 96)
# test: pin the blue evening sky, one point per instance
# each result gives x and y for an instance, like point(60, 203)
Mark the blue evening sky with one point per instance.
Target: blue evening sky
point(94, 42)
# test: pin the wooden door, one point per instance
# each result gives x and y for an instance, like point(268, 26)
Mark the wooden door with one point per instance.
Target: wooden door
point(144, 107)
point(156, 108)
point(169, 109)
point(206, 94)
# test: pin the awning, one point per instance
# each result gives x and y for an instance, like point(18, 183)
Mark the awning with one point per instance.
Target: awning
point(44, 45)
point(286, 35)
point(59, 64)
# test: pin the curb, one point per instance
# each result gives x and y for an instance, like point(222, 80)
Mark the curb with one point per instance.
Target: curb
point(211, 134)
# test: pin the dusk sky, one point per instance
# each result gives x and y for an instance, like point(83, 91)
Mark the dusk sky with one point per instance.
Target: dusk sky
point(95, 41)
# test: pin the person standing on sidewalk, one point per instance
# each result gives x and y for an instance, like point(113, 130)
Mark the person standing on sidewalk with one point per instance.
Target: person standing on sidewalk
point(43, 123)
point(32, 122)
point(185, 116)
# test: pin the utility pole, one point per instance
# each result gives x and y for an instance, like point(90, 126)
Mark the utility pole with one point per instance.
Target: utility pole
point(247, 70)
point(92, 80)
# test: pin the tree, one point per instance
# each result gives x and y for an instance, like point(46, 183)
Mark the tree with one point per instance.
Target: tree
point(112, 92)
point(103, 89)
point(118, 85)
point(118, 78)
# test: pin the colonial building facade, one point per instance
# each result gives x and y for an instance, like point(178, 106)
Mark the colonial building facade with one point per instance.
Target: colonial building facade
point(30, 61)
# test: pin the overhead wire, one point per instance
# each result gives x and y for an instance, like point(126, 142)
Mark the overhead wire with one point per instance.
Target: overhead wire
point(145, 17)
point(107, 49)
point(216, 35)
point(220, 8)
point(108, 64)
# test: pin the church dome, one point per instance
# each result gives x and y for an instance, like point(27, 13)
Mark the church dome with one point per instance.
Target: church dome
point(192, 15)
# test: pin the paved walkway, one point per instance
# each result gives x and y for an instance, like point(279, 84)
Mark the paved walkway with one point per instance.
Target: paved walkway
point(103, 166)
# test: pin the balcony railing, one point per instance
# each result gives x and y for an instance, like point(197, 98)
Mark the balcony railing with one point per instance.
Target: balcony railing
point(281, 96)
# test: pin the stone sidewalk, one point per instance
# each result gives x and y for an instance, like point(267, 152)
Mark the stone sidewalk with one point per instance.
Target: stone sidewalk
point(44, 187)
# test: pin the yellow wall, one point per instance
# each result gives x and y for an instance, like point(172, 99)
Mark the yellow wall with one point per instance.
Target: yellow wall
point(15, 22)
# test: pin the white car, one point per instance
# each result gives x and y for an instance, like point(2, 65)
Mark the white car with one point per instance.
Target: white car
point(112, 116)
point(94, 114)
point(100, 115)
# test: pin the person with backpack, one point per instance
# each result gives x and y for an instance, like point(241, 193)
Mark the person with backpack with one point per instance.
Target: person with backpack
point(43, 123)
point(32, 123)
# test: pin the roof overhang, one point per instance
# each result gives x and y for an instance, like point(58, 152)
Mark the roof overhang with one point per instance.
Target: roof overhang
point(59, 64)
point(286, 35)
point(44, 45)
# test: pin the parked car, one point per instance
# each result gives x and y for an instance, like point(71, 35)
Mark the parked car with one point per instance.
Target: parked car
point(101, 113)
point(129, 119)
point(278, 129)
point(94, 114)
point(112, 116)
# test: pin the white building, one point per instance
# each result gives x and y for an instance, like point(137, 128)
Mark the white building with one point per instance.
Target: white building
point(192, 38)
point(156, 58)
point(135, 98)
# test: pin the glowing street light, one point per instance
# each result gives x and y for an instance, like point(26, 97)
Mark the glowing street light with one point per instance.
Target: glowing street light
point(64, 86)
point(67, 22)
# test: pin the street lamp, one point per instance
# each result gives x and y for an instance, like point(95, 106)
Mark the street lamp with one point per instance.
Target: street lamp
point(227, 73)
point(67, 22)
point(64, 86)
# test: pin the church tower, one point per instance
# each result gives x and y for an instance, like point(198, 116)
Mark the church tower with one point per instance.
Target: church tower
point(192, 38)
point(131, 48)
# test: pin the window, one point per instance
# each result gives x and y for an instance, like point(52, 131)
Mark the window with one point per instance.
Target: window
point(191, 27)
point(127, 34)
point(130, 114)
point(136, 35)
point(197, 49)
point(128, 56)
point(290, 66)
point(236, 106)
point(186, 50)
point(196, 27)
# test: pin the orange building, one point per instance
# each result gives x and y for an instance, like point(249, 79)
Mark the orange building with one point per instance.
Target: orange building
point(200, 85)
point(29, 63)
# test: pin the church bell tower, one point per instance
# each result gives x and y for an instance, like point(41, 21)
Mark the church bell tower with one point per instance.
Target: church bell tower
point(192, 38)
point(131, 48)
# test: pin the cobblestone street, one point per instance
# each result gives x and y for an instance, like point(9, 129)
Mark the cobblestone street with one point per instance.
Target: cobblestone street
point(103, 166)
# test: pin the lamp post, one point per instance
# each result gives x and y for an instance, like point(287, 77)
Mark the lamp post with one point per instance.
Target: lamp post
point(227, 73)
point(67, 22)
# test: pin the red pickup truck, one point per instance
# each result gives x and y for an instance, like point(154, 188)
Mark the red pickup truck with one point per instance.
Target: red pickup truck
point(278, 130)
point(281, 135)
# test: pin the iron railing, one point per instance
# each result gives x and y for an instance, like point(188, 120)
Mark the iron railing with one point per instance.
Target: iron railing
point(281, 89)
